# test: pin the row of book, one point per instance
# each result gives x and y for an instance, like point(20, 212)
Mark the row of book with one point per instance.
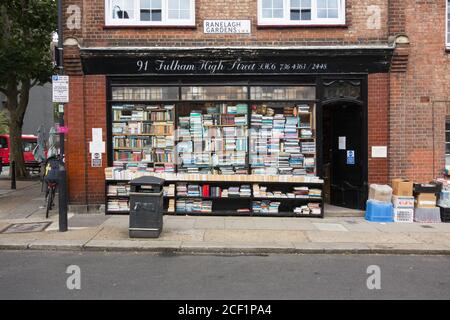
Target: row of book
point(156, 155)
point(169, 191)
point(193, 206)
point(265, 206)
point(296, 192)
point(130, 171)
point(207, 191)
point(142, 142)
point(131, 112)
point(118, 205)
point(118, 190)
point(145, 93)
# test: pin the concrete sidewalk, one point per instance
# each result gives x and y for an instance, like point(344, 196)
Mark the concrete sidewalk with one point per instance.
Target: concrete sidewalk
point(237, 235)
point(245, 235)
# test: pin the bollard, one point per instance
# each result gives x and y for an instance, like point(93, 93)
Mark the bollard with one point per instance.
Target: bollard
point(12, 168)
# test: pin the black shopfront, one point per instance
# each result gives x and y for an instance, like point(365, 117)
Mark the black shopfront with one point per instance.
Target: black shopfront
point(329, 87)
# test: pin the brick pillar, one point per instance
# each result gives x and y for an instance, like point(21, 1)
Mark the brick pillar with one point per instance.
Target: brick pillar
point(75, 142)
point(378, 115)
point(95, 117)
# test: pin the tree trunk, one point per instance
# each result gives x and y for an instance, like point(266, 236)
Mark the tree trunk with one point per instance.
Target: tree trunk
point(16, 104)
point(16, 148)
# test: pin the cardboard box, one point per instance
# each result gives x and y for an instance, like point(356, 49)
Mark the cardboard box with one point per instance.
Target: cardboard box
point(403, 202)
point(402, 187)
point(381, 193)
point(426, 200)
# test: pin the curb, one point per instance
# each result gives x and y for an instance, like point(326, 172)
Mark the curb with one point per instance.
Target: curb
point(225, 251)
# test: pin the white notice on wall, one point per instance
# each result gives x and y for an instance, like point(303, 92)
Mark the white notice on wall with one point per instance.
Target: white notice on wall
point(97, 147)
point(97, 134)
point(379, 152)
point(342, 143)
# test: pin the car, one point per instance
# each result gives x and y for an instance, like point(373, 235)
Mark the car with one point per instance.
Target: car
point(29, 142)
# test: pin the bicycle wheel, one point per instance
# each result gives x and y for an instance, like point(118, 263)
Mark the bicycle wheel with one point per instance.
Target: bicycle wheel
point(51, 195)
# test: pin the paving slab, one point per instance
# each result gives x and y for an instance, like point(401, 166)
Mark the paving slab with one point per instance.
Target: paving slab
point(406, 227)
point(209, 223)
point(358, 237)
point(330, 227)
point(174, 224)
point(87, 220)
point(254, 236)
point(431, 238)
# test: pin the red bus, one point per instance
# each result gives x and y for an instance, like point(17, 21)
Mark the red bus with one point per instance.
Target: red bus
point(29, 142)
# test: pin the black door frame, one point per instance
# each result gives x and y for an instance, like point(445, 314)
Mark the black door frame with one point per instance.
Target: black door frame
point(363, 102)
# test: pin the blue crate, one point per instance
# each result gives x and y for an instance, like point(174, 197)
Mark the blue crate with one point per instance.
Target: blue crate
point(377, 211)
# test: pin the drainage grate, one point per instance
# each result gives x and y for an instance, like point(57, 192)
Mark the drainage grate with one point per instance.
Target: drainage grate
point(427, 227)
point(26, 227)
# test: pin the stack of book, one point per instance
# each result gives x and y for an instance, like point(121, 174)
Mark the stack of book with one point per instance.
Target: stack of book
point(193, 206)
point(310, 208)
point(116, 205)
point(169, 191)
point(265, 206)
point(119, 190)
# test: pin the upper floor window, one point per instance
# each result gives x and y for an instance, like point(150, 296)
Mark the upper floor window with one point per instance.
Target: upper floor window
point(150, 12)
point(448, 24)
point(301, 12)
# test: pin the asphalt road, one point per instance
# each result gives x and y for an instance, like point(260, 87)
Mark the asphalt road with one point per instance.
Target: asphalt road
point(42, 275)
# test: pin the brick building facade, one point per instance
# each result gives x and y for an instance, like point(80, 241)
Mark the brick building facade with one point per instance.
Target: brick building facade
point(404, 64)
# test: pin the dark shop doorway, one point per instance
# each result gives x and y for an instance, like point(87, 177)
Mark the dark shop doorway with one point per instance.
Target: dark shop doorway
point(344, 163)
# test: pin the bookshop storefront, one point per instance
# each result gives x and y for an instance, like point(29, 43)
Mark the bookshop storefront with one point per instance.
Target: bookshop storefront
point(238, 132)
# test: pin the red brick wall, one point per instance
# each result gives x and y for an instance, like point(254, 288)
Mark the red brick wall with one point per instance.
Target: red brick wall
point(378, 107)
point(357, 31)
point(417, 116)
point(75, 142)
point(87, 110)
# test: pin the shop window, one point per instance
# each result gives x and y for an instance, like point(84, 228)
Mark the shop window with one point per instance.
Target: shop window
point(144, 93)
point(214, 93)
point(283, 93)
point(301, 12)
point(447, 143)
point(150, 12)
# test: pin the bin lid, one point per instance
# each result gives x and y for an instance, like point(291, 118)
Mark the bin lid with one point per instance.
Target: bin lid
point(147, 180)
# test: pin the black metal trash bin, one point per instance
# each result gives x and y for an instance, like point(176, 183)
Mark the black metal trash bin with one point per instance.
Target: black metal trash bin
point(146, 207)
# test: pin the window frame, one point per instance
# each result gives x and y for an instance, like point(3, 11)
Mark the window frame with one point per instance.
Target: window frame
point(447, 121)
point(447, 22)
point(136, 22)
point(286, 20)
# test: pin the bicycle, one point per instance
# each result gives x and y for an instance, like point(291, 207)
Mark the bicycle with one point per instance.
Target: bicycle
point(51, 179)
point(51, 191)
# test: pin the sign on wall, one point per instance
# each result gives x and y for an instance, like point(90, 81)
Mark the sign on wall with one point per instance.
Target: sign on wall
point(60, 89)
point(351, 157)
point(226, 26)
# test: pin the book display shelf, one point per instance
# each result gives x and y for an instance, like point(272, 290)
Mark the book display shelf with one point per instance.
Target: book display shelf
point(223, 150)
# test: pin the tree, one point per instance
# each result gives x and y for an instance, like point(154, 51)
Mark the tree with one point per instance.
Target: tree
point(25, 61)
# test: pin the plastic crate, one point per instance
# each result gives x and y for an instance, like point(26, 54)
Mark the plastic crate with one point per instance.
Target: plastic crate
point(403, 215)
point(377, 211)
point(427, 215)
